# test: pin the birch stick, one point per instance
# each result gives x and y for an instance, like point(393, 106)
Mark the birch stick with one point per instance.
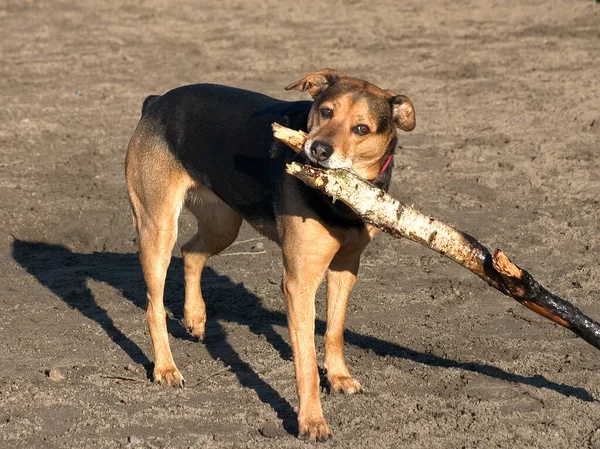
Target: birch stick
point(378, 208)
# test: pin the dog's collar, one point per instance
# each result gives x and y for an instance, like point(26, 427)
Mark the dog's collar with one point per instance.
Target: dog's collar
point(386, 164)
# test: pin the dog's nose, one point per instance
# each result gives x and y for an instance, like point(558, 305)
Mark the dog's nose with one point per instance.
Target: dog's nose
point(321, 151)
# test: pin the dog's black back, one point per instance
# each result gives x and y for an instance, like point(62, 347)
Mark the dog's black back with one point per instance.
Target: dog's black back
point(222, 137)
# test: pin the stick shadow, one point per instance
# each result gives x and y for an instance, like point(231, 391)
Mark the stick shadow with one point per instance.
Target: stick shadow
point(66, 273)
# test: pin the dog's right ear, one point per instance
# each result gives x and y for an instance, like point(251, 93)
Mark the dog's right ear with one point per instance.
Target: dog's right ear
point(403, 112)
point(316, 83)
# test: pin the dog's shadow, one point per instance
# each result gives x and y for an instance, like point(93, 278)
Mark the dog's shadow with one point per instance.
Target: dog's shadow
point(66, 274)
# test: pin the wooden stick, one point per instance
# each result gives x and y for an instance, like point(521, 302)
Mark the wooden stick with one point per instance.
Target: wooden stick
point(293, 139)
point(243, 253)
point(376, 207)
point(129, 379)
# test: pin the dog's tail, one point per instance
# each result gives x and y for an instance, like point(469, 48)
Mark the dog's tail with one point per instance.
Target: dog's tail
point(148, 101)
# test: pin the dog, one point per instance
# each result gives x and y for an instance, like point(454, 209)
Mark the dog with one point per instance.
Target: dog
point(210, 148)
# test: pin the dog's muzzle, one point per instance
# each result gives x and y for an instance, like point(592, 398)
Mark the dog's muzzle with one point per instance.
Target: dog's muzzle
point(321, 154)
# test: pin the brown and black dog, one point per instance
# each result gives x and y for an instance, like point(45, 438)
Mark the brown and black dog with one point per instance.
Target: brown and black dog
point(210, 148)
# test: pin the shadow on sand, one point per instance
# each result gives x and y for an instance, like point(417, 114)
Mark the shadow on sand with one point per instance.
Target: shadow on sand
point(66, 273)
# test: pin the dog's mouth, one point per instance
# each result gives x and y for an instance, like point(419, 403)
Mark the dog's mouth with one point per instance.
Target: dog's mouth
point(332, 162)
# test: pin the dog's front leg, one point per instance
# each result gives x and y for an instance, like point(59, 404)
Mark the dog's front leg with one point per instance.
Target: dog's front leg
point(341, 277)
point(307, 251)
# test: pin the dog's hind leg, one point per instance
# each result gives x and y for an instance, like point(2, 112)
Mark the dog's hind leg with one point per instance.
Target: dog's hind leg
point(218, 227)
point(157, 186)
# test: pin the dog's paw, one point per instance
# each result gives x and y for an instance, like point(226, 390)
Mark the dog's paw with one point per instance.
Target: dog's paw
point(313, 429)
point(171, 377)
point(195, 326)
point(344, 384)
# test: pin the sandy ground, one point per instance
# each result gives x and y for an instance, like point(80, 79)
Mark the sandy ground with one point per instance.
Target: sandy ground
point(506, 148)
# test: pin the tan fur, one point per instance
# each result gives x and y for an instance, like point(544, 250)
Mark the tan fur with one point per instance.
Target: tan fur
point(362, 153)
point(305, 264)
point(157, 186)
point(341, 277)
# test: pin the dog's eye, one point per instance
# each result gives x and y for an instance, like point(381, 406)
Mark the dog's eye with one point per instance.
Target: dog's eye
point(326, 112)
point(361, 130)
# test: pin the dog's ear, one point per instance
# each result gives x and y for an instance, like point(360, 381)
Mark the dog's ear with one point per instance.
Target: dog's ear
point(403, 113)
point(316, 83)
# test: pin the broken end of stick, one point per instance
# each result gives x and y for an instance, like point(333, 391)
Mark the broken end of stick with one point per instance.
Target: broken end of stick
point(293, 168)
point(292, 138)
point(511, 274)
point(278, 130)
point(505, 266)
point(522, 289)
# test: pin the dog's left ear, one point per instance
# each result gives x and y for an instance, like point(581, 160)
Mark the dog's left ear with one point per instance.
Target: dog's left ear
point(316, 83)
point(403, 113)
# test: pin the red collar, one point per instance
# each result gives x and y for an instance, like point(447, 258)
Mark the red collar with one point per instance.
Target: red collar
point(386, 164)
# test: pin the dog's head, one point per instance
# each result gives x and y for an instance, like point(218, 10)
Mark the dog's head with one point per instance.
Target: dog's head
point(352, 123)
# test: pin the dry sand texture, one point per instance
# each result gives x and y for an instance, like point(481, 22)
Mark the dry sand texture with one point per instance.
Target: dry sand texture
point(506, 148)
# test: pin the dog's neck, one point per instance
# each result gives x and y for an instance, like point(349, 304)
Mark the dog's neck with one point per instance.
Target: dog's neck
point(385, 165)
